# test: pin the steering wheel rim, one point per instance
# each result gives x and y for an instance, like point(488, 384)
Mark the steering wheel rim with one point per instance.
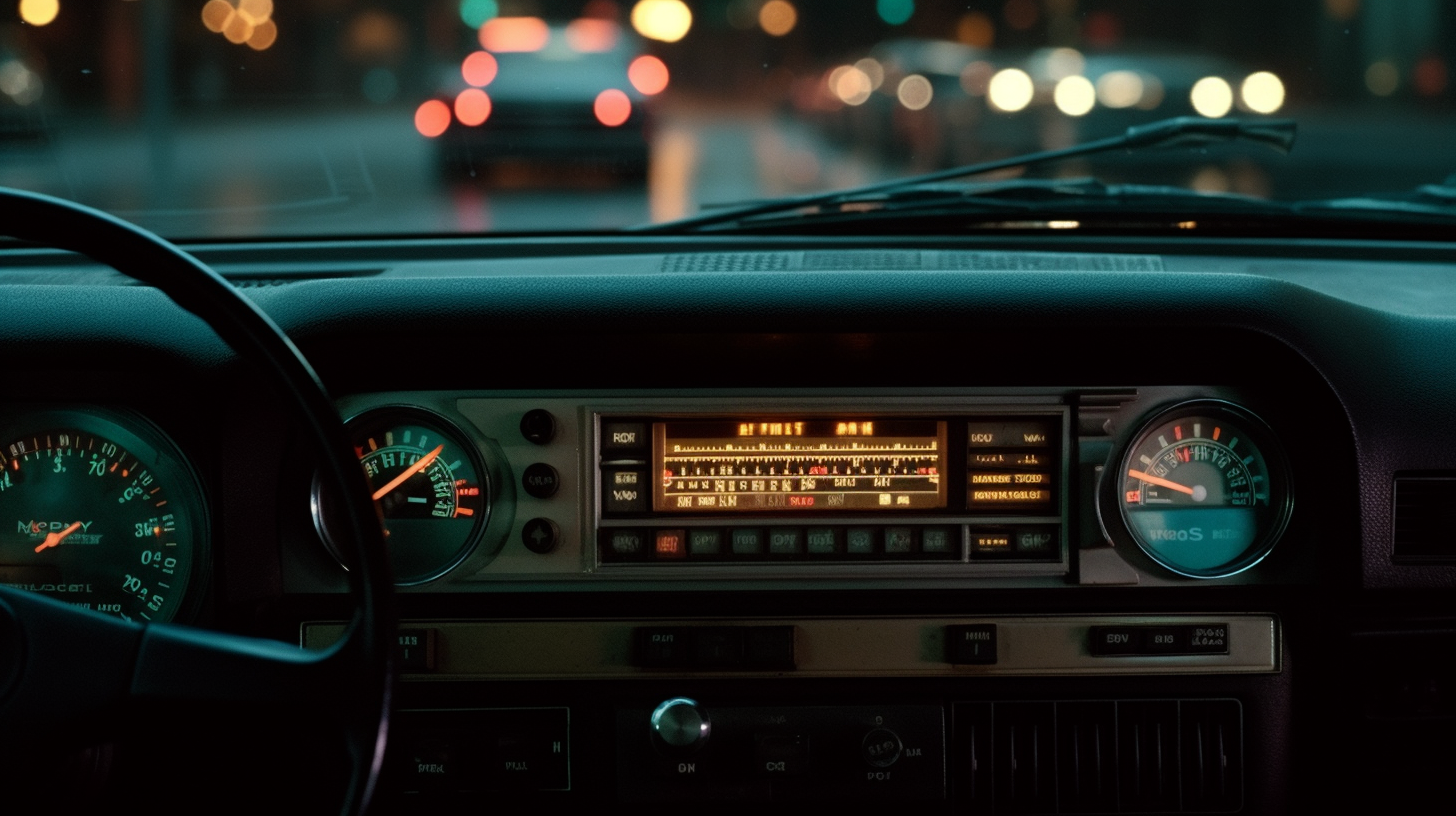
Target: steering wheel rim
point(235, 665)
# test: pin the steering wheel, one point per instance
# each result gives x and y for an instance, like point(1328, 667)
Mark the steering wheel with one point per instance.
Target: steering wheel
point(61, 665)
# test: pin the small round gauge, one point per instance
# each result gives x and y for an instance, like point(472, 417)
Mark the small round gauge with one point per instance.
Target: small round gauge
point(428, 484)
point(1204, 490)
point(100, 510)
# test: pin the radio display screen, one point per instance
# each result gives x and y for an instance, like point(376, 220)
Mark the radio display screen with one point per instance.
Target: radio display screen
point(810, 464)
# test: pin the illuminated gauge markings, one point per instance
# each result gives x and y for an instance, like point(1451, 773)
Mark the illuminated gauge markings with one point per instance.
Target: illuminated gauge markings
point(1197, 493)
point(87, 521)
point(429, 485)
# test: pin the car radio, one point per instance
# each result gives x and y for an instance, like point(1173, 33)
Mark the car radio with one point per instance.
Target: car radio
point(848, 486)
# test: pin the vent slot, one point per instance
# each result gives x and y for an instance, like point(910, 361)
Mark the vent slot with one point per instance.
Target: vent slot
point(727, 262)
point(1425, 519)
point(1025, 756)
point(1147, 748)
point(1087, 757)
point(1213, 759)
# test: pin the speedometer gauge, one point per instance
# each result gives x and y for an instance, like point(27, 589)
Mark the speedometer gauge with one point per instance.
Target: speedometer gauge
point(98, 509)
point(429, 485)
point(1204, 490)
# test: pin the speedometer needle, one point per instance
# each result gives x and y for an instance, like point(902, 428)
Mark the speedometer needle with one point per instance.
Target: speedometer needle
point(408, 472)
point(52, 539)
point(1151, 479)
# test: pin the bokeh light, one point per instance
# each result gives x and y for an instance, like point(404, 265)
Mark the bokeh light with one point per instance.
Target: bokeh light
point(1064, 62)
point(472, 107)
point(39, 12)
point(1120, 89)
point(1429, 77)
point(648, 75)
point(479, 68)
point(895, 12)
point(665, 20)
point(1262, 92)
point(514, 34)
point(474, 13)
point(976, 77)
point(874, 70)
point(1075, 96)
point(263, 36)
point(1212, 97)
point(215, 15)
point(612, 107)
point(1382, 78)
point(976, 30)
point(256, 11)
point(590, 35)
point(1010, 90)
point(915, 92)
point(777, 17)
point(850, 85)
point(432, 118)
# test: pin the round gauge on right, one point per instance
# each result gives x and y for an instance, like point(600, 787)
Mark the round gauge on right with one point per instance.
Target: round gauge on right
point(1204, 489)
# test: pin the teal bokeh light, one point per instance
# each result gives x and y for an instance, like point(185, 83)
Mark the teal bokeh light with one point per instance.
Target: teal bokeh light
point(895, 12)
point(474, 13)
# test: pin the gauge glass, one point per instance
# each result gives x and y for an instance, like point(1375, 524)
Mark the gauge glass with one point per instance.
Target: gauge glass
point(428, 484)
point(1204, 491)
point(99, 510)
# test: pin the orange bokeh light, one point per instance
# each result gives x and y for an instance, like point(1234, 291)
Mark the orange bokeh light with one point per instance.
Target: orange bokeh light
point(648, 74)
point(432, 118)
point(612, 107)
point(591, 36)
point(479, 68)
point(472, 107)
point(514, 34)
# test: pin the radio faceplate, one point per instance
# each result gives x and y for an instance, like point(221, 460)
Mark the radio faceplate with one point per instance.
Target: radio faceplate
point(754, 487)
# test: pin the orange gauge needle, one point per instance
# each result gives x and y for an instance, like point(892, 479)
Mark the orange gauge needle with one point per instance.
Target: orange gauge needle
point(1151, 479)
point(408, 472)
point(52, 539)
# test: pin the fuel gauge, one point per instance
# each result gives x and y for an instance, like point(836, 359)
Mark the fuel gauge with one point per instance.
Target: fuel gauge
point(428, 484)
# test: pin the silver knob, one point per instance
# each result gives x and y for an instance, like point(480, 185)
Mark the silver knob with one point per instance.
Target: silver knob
point(680, 726)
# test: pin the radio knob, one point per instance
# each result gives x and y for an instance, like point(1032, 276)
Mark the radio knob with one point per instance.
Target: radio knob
point(680, 726)
point(882, 747)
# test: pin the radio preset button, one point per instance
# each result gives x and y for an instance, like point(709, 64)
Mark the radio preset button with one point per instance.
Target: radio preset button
point(747, 541)
point(899, 541)
point(859, 541)
point(705, 542)
point(660, 647)
point(821, 541)
point(937, 541)
point(626, 544)
point(786, 541)
point(1036, 541)
point(971, 644)
point(670, 544)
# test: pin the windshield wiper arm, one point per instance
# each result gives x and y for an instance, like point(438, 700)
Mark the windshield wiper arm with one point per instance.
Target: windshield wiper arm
point(1182, 131)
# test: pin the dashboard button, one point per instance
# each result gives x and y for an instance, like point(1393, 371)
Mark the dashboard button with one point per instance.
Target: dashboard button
point(899, 540)
point(624, 490)
point(538, 426)
point(624, 437)
point(1111, 641)
point(705, 542)
point(786, 541)
point(1040, 542)
point(718, 647)
point(541, 480)
point(670, 544)
point(661, 647)
point(626, 544)
point(768, 647)
point(1208, 638)
point(1165, 640)
point(416, 650)
point(540, 535)
point(859, 541)
point(747, 541)
point(882, 747)
point(821, 540)
point(936, 541)
point(971, 644)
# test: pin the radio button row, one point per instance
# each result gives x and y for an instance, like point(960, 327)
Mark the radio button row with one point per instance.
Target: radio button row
point(1127, 641)
point(820, 543)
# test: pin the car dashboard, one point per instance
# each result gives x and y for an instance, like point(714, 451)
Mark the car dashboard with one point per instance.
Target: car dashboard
point(963, 526)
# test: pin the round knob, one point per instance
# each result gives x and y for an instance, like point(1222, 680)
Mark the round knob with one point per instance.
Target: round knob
point(680, 726)
point(882, 747)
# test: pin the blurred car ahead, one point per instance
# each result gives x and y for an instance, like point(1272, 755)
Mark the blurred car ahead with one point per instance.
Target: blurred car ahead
point(564, 94)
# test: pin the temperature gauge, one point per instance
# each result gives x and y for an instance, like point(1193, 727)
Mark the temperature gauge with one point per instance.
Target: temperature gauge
point(1204, 490)
point(429, 485)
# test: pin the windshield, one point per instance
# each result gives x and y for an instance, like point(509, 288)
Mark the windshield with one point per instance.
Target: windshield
point(262, 118)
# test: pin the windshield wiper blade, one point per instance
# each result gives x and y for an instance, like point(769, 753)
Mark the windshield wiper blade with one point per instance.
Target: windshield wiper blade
point(1278, 134)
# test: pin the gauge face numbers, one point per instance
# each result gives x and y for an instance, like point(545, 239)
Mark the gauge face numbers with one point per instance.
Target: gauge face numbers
point(429, 485)
point(99, 518)
point(1198, 493)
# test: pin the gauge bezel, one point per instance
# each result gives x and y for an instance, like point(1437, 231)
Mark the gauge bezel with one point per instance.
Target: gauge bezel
point(395, 414)
point(136, 433)
point(1281, 484)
